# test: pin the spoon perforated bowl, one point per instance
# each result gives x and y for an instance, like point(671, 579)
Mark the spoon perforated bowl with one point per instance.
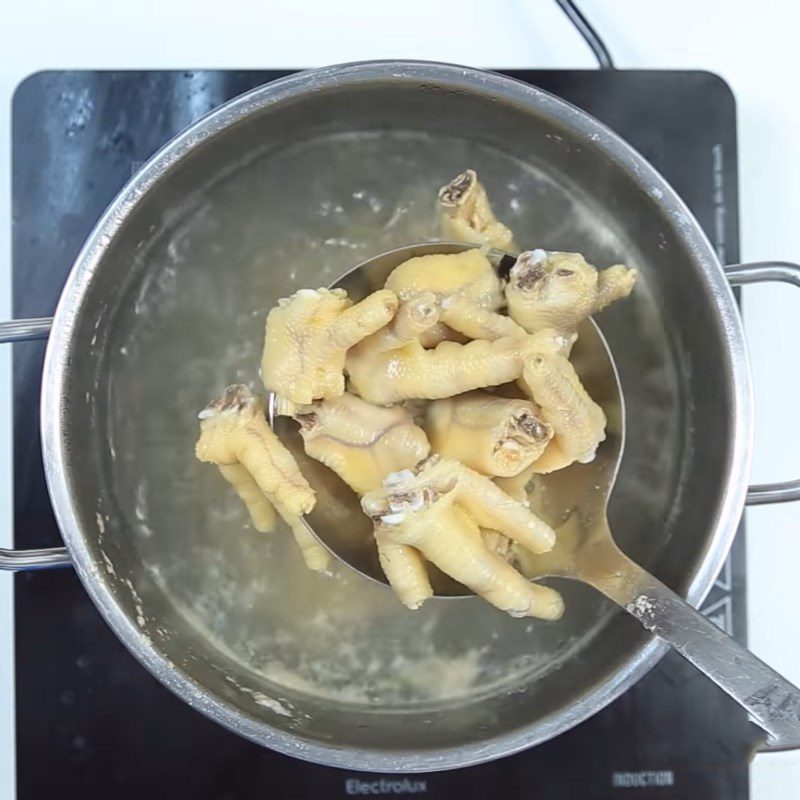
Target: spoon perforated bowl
point(574, 502)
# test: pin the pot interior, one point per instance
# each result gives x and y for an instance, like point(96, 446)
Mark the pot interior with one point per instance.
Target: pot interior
point(291, 197)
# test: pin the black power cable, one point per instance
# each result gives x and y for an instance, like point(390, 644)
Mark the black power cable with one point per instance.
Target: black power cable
point(589, 34)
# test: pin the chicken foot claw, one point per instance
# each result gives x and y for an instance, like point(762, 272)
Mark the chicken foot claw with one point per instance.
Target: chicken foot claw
point(415, 316)
point(475, 322)
point(404, 568)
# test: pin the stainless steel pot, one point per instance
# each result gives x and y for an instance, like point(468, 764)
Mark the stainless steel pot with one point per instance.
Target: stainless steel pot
point(288, 186)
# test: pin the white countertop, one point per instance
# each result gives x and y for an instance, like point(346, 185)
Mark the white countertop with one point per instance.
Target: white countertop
point(752, 46)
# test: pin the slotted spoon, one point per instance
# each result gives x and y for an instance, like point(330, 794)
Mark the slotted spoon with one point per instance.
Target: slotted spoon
point(574, 501)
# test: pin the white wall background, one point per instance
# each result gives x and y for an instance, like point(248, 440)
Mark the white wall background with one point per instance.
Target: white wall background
point(752, 45)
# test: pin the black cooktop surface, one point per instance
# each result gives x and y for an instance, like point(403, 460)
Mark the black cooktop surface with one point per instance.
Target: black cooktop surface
point(91, 722)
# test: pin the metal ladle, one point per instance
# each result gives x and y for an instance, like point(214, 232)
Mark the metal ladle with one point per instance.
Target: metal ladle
point(574, 501)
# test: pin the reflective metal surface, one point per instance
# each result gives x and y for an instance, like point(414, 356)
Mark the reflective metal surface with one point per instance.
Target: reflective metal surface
point(40, 558)
point(21, 330)
point(768, 272)
point(165, 306)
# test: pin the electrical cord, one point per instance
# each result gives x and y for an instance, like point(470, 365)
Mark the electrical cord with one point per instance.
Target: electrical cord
point(590, 35)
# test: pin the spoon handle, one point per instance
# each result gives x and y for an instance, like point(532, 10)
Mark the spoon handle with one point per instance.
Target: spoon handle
point(771, 701)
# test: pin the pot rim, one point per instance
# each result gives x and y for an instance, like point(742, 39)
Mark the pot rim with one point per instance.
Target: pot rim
point(459, 78)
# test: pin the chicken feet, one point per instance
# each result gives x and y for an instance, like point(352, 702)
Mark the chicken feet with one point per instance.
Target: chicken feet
point(559, 290)
point(411, 371)
point(465, 214)
point(361, 442)
point(308, 336)
point(235, 436)
point(492, 435)
point(439, 507)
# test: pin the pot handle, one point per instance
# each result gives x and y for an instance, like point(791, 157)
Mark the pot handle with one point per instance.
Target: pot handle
point(767, 272)
point(20, 330)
